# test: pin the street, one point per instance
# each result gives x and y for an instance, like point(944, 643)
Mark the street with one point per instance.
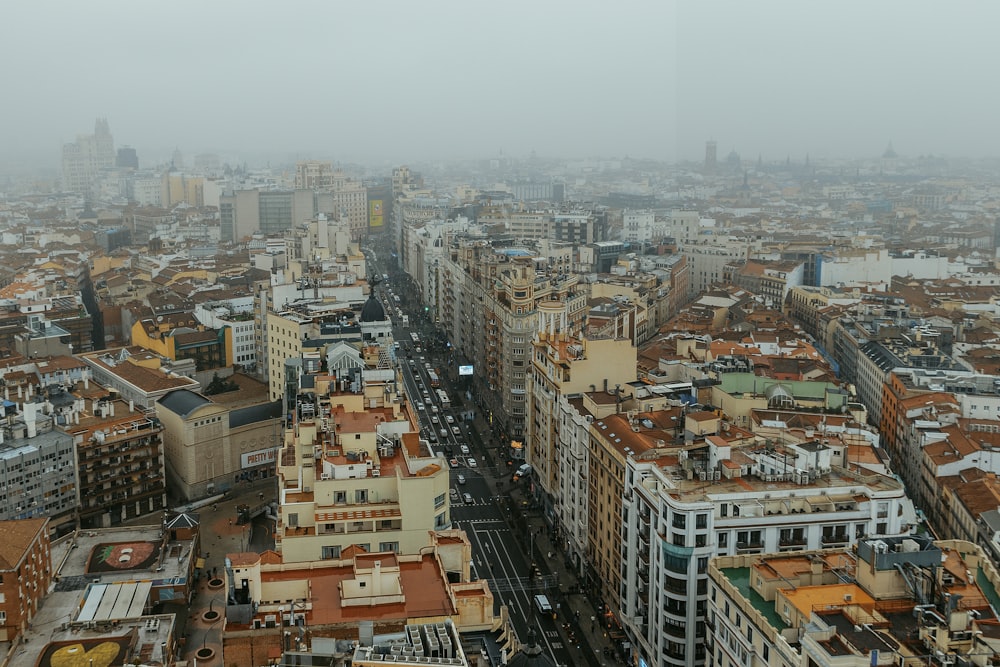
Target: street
point(500, 534)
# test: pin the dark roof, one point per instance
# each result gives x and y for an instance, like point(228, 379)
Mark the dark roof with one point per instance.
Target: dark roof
point(183, 402)
point(183, 520)
point(372, 310)
point(254, 413)
point(531, 654)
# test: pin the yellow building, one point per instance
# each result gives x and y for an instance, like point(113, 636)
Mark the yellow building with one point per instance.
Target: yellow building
point(356, 478)
point(209, 348)
point(560, 366)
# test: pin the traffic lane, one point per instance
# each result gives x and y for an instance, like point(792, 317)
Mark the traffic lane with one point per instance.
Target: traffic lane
point(504, 562)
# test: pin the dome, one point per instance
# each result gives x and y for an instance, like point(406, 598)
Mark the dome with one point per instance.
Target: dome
point(531, 654)
point(372, 310)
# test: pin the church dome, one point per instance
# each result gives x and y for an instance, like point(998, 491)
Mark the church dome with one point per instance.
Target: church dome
point(372, 310)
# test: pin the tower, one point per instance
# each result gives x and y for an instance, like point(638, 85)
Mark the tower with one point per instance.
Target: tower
point(710, 149)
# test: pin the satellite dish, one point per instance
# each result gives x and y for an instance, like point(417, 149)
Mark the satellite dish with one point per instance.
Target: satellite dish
point(159, 318)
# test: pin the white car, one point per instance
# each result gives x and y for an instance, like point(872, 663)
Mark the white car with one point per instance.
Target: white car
point(450, 419)
point(464, 449)
point(434, 419)
point(455, 430)
point(472, 462)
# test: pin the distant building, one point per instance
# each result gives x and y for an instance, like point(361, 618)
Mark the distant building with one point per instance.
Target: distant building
point(711, 149)
point(246, 212)
point(83, 160)
point(127, 158)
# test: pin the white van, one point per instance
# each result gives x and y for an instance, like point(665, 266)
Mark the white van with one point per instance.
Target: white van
point(524, 470)
point(543, 604)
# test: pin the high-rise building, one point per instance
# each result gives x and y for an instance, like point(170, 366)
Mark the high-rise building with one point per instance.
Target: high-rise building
point(710, 153)
point(83, 160)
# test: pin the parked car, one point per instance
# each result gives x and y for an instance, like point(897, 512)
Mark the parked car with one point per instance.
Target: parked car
point(464, 449)
point(472, 462)
point(453, 463)
point(461, 479)
point(467, 497)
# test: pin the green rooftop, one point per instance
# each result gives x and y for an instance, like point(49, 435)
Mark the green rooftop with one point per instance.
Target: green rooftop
point(740, 578)
point(986, 586)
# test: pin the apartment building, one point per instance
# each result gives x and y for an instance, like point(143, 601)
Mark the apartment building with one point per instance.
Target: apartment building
point(903, 601)
point(353, 475)
point(120, 462)
point(693, 503)
point(25, 573)
point(562, 366)
point(417, 604)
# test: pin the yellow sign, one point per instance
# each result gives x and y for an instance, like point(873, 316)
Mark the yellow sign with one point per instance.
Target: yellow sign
point(375, 217)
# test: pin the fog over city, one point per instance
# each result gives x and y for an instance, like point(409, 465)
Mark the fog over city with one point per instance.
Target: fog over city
point(393, 81)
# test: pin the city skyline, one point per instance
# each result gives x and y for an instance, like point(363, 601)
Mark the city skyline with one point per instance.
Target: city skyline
point(399, 83)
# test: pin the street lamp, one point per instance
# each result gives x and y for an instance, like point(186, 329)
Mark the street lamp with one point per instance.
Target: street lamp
point(204, 641)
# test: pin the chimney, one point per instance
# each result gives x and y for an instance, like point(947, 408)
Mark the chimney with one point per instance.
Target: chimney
point(86, 379)
point(131, 405)
point(111, 408)
point(30, 415)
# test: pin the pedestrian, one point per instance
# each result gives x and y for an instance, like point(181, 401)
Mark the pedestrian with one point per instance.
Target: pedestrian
point(230, 523)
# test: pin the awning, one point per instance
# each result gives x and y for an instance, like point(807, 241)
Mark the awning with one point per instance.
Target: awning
point(199, 564)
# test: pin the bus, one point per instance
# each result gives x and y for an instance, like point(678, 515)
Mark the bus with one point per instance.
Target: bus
point(415, 338)
point(435, 380)
point(445, 401)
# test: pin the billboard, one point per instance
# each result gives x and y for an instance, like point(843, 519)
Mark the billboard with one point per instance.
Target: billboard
point(465, 370)
point(257, 458)
point(375, 217)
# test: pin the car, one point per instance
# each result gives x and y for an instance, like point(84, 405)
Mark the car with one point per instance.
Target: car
point(453, 463)
point(464, 449)
point(453, 494)
point(467, 497)
point(472, 462)
point(450, 419)
point(455, 430)
point(461, 479)
point(431, 436)
point(427, 400)
point(435, 420)
point(444, 433)
point(420, 406)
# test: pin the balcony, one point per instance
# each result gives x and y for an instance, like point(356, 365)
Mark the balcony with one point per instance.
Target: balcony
point(835, 539)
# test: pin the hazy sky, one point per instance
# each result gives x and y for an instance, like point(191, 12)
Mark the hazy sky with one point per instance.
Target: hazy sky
point(391, 81)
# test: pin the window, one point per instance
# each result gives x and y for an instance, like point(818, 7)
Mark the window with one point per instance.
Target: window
point(439, 501)
point(724, 510)
point(293, 520)
point(389, 546)
point(440, 521)
point(331, 553)
point(723, 539)
point(361, 495)
point(701, 521)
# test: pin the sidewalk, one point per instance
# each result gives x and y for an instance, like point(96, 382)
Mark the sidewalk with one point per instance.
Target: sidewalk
point(576, 611)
